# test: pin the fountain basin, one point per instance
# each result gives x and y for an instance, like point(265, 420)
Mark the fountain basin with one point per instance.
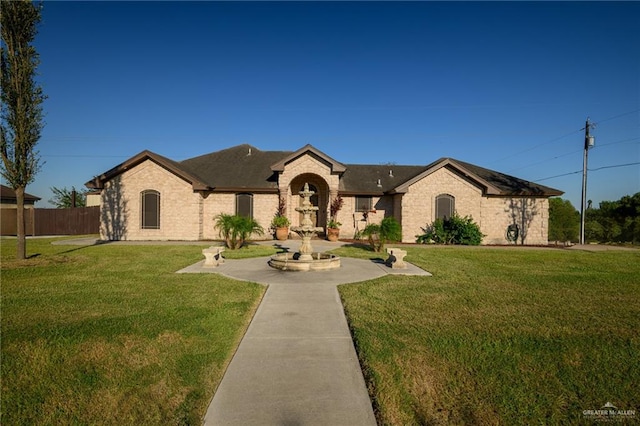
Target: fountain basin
point(293, 262)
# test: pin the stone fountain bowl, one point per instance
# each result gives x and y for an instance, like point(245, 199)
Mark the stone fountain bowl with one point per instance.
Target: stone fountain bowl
point(292, 262)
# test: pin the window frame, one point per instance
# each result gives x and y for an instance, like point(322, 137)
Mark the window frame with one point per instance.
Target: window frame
point(249, 196)
point(145, 219)
point(368, 203)
point(441, 198)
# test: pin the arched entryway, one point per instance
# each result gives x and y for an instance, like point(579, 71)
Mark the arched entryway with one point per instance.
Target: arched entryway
point(319, 199)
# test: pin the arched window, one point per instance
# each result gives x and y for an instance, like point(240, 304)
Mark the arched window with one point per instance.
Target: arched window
point(150, 202)
point(244, 205)
point(445, 206)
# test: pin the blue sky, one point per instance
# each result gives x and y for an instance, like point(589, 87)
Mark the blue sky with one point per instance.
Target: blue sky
point(506, 85)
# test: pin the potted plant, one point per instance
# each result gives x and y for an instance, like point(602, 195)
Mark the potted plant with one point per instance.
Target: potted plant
point(281, 226)
point(280, 223)
point(333, 226)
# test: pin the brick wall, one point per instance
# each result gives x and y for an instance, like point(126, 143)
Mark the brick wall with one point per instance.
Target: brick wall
point(213, 205)
point(353, 221)
point(121, 205)
point(418, 204)
point(530, 214)
point(264, 207)
point(186, 215)
point(492, 214)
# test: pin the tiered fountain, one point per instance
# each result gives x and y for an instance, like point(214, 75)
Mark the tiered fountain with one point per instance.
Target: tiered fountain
point(306, 259)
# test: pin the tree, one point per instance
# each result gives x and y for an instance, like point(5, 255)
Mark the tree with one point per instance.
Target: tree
point(615, 221)
point(564, 220)
point(63, 198)
point(21, 98)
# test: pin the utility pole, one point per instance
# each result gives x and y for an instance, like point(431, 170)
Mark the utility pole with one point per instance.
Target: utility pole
point(589, 142)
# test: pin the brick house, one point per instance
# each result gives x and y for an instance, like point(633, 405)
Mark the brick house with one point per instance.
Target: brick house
point(150, 197)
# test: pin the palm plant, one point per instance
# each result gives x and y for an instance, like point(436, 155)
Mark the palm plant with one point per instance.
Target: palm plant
point(236, 229)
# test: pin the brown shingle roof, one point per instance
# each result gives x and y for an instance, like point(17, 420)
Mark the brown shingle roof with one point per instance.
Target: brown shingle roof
point(8, 195)
point(241, 167)
point(363, 178)
point(492, 182)
point(509, 185)
point(246, 168)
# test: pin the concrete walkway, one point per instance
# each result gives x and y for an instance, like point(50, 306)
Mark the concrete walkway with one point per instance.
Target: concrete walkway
point(297, 364)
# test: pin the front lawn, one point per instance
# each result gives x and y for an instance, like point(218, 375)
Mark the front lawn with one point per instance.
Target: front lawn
point(499, 335)
point(111, 335)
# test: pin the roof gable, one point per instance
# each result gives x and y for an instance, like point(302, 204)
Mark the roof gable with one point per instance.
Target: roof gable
point(336, 167)
point(491, 182)
point(170, 165)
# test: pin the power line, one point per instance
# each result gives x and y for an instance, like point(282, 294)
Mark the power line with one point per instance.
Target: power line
point(617, 142)
point(564, 136)
point(537, 146)
point(557, 176)
point(571, 153)
point(591, 170)
point(543, 161)
point(617, 116)
point(612, 167)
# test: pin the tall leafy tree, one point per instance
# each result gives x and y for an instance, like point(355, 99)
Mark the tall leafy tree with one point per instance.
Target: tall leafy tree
point(564, 220)
point(63, 198)
point(21, 98)
point(615, 221)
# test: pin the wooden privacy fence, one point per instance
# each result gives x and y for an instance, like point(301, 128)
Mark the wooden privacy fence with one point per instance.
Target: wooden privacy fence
point(76, 221)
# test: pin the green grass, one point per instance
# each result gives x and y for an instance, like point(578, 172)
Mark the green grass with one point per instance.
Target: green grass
point(499, 336)
point(111, 335)
point(250, 250)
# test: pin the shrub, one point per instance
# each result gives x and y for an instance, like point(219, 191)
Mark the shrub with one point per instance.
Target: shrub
point(388, 230)
point(456, 230)
point(235, 229)
point(334, 208)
